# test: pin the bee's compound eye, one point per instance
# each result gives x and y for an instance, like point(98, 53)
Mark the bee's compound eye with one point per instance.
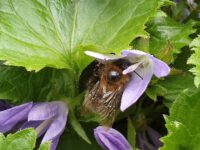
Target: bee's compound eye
point(113, 76)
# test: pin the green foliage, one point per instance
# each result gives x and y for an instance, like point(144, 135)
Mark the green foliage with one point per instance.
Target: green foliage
point(19, 85)
point(178, 137)
point(36, 34)
point(172, 86)
point(183, 123)
point(165, 32)
point(45, 146)
point(21, 140)
point(194, 60)
point(156, 90)
point(78, 128)
point(131, 134)
point(72, 141)
point(169, 88)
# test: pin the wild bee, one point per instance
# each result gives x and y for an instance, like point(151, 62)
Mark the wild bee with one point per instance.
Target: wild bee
point(104, 90)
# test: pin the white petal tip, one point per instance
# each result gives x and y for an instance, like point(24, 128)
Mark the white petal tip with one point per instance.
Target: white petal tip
point(122, 108)
point(90, 53)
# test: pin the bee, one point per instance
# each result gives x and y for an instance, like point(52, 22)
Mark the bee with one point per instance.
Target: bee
point(104, 90)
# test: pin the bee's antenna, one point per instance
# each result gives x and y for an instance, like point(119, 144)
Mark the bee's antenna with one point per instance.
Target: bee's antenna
point(138, 75)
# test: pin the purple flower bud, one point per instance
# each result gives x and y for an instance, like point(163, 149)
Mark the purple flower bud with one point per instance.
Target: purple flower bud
point(155, 137)
point(48, 118)
point(4, 105)
point(111, 139)
point(142, 68)
point(12, 116)
point(190, 2)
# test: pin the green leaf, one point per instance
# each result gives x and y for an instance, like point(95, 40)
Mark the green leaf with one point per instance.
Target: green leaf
point(131, 134)
point(172, 86)
point(21, 140)
point(77, 127)
point(2, 138)
point(167, 32)
point(72, 141)
point(35, 34)
point(185, 116)
point(19, 85)
point(45, 146)
point(178, 137)
point(155, 90)
point(194, 60)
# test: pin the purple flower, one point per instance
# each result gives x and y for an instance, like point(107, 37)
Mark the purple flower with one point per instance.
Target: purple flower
point(111, 139)
point(149, 140)
point(10, 117)
point(142, 68)
point(4, 105)
point(47, 118)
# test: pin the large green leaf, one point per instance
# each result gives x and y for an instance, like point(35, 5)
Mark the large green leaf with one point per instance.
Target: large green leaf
point(22, 140)
point(20, 86)
point(54, 33)
point(183, 123)
point(194, 60)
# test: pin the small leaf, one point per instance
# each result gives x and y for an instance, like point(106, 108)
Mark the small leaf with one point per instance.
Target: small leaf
point(2, 138)
point(21, 140)
point(131, 134)
point(45, 146)
point(77, 127)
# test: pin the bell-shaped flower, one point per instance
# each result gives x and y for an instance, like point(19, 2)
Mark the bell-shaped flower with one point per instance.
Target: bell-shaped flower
point(142, 68)
point(4, 105)
point(111, 139)
point(48, 118)
point(149, 140)
point(10, 117)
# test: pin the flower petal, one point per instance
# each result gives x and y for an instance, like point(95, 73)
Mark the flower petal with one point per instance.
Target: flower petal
point(133, 52)
point(161, 69)
point(33, 124)
point(58, 125)
point(111, 139)
point(43, 111)
point(102, 57)
point(54, 143)
point(4, 105)
point(155, 137)
point(143, 143)
point(136, 87)
point(131, 68)
point(10, 117)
